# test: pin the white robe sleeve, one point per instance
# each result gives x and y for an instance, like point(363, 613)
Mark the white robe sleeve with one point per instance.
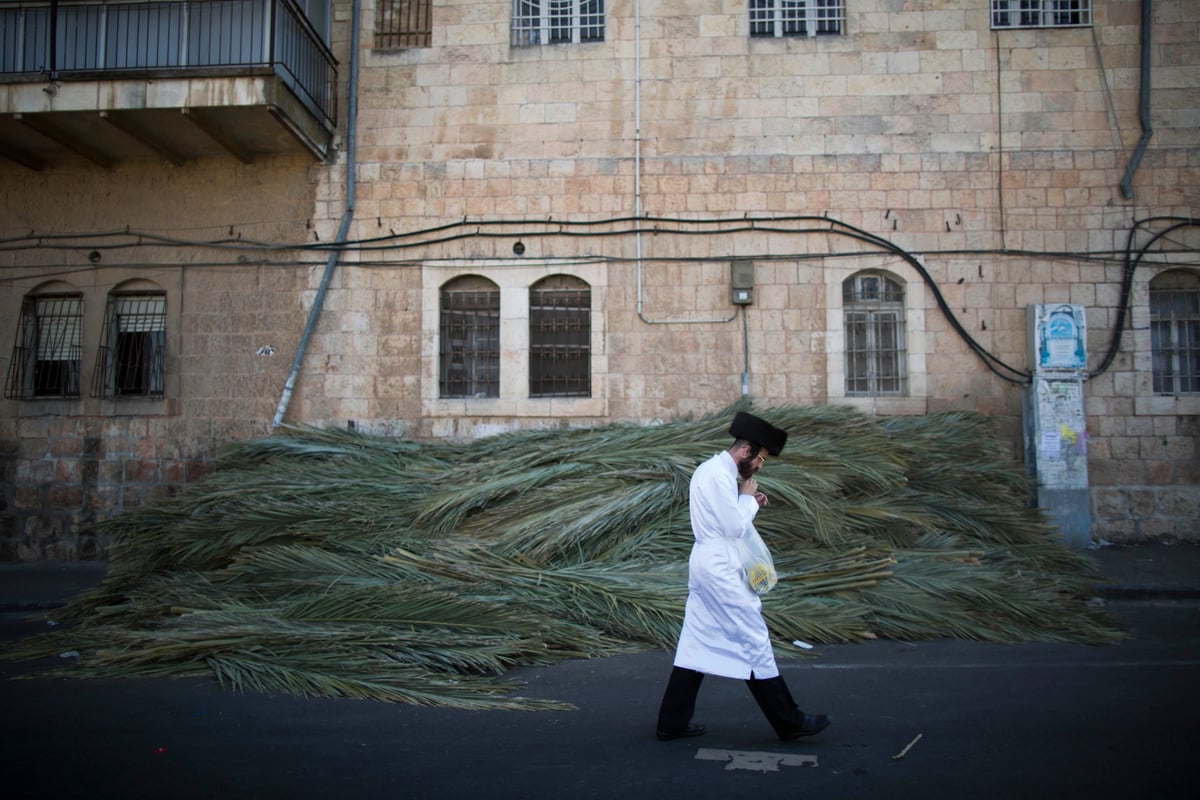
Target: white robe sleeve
point(717, 510)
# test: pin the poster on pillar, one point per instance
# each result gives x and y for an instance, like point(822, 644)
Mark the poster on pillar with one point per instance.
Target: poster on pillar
point(1059, 334)
point(1061, 434)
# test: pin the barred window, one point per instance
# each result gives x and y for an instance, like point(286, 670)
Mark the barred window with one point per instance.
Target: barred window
point(469, 348)
point(1175, 332)
point(876, 350)
point(403, 23)
point(131, 360)
point(1041, 13)
point(775, 18)
point(560, 338)
point(48, 350)
point(557, 22)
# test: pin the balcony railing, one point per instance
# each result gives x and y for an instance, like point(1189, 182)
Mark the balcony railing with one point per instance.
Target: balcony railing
point(63, 41)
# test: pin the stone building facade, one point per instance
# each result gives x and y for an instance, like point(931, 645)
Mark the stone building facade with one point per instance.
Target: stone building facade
point(583, 189)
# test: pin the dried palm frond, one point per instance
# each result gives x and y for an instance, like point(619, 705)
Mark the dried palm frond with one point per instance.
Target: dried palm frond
point(337, 563)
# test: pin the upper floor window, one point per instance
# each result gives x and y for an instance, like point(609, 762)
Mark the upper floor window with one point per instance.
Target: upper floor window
point(132, 357)
point(876, 355)
point(403, 23)
point(796, 17)
point(1175, 332)
point(560, 338)
point(557, 22)
point(1041, 13)
point(469, 338)
point(48, 350)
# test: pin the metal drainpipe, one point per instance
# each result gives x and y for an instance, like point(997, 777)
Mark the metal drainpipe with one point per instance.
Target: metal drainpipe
point(343, 229)
point(1143, 103)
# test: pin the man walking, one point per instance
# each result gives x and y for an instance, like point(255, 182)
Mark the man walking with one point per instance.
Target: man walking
point(723, 630)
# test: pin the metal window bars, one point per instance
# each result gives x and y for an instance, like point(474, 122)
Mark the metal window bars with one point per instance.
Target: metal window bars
point(1175, 340)
point(469, 358)
point(876, 349)
point(82, 40)
point(560, 332)
point(131, 359)
point(403, 23)
point(48, 350)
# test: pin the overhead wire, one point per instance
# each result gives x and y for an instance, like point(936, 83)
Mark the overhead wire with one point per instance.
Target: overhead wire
point(526, 228)
point(1131, 264)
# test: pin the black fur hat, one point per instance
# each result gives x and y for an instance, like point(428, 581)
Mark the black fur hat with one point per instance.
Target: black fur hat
point(758, 431)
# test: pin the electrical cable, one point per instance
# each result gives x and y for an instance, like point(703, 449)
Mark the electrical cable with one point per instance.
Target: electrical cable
point(1131, 265)
point(797, 224)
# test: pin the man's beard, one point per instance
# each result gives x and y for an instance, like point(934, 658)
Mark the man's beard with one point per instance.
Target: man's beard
point(746, 467)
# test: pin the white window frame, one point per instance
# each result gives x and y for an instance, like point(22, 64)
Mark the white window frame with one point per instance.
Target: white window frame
point(1173, 325)
point(539, 22)
point(797, 18)
point(878, 313)
point(1146, 401)
point(916, 400)
point(1007, 14)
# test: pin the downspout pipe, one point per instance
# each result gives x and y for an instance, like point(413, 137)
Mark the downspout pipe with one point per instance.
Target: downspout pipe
point(343, 229)
point(1143, 102)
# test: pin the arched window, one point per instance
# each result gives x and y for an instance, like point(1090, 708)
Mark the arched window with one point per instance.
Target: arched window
point(876, 355)
point(560, 338)
point(469, 338)
point(131, 360)
point(49, 348)
point(1175, 332)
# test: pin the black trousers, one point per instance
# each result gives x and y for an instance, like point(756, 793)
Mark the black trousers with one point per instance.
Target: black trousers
point(771, 694)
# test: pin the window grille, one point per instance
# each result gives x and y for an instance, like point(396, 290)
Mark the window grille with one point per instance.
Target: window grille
point(48, 349)
point(131, 360)
point(1175, 332)
point(403, 23)
point(775, 18)
point(1041, 13)
point(470, 340)
point(876, 350)
point(557, 22)
point(560, 339)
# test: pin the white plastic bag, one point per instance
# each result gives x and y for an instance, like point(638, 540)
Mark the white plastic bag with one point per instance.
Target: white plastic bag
point(757, 564)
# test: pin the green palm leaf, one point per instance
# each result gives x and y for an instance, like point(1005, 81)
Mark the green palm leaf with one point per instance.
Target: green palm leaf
point(337, 563)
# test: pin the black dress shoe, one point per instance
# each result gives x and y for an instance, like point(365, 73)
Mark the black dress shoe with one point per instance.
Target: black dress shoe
point(691, 730)
point(812, 724)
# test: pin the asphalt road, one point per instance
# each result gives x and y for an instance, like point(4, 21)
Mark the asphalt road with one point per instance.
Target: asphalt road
point(941, 719)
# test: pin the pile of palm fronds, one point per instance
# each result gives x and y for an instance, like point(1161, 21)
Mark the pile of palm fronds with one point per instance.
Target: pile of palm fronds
point(336, 563)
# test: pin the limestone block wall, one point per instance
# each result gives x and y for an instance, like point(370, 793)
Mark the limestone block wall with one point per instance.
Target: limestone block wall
point(994, 157)
point(980, 169)
point(67, 463)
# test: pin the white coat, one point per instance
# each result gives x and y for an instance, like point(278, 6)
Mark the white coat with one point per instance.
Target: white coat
point(723, 630)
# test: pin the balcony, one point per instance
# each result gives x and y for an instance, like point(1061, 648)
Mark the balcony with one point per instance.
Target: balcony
point(113, 82)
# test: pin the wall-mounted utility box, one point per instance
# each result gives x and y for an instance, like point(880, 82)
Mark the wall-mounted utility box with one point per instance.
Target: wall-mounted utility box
point(741, 282)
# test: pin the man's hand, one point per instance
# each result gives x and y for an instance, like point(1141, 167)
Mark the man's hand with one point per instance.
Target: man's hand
point(749, 486)
point(761, 498)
